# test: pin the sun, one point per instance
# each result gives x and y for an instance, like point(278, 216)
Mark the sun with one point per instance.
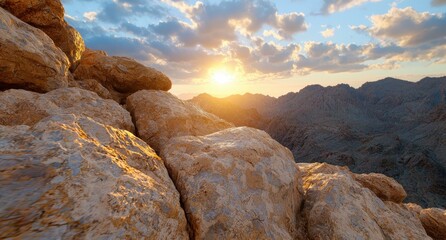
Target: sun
point(222, 76)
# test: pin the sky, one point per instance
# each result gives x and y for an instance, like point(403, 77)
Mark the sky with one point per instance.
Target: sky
point(268, 47)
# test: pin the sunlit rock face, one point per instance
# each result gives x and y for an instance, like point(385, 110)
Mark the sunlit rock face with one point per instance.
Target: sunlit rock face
point(160, 116)
point(236, 184)
point(434, 221)
point(121, 76)
point(48, 15)
point(28, 57)
point(338, 207)
point(384, 187)
point(23, 107)
point(70, 177)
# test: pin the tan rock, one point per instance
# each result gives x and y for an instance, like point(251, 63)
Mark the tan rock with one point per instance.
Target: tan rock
point(93, 86)
point(236, 184)
point(23, 107)
point(28, 58)
point(384, 187)
point(48, 15)
point(119, 74)
point(434, 221)
point(160, 116)
point(73, 178)
point(338, 207)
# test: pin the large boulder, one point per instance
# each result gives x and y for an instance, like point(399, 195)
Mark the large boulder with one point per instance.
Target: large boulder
point(236, 184)
point(160, 116)
point(28, 57)
point(384, 187)
point(70, 177)
point(434, 221)
point(338, 207)
point(20, 107)
point(120, 75)
point(48, 15)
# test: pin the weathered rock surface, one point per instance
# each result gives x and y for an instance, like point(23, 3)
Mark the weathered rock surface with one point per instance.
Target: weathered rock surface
point(160, 116)
point(434, 221)
point(48, 15)
point(384, 187)
point(338, 207)
point(236, 184)
point(23, 107)
point(28, 57)
point(93, 86)
point(69, 177)
point(121, 76)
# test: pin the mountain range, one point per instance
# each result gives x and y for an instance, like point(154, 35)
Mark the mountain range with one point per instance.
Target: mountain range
point(390, 126)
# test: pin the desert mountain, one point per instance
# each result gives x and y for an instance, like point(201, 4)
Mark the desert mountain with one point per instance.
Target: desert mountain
point(94, 147)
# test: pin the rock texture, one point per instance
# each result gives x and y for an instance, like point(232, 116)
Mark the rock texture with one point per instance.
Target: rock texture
point(160, 116)
point(384, 187)
point(338, 207)
point(93, 86)
point(48, 15)
point(434, 221)
point(121, 76)
point(23, 107)
point(392, 127)
point(70, 177)
point(28, 58)
point(236, 184)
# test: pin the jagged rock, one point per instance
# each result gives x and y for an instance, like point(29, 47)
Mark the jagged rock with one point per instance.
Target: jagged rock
point(48, 15)
point(121, 76)
point(23, 107)
point(69, 177)
point(236, 184)
point(338, 207)
point(28, 58)
point(93, 86)
point(384, 187)
point(434, 221)
point(160, 116)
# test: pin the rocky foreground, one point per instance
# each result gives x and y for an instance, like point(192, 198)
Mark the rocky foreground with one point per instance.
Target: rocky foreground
point(77, 164)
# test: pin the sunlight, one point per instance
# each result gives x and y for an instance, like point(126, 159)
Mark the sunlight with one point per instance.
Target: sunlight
point(222, 76)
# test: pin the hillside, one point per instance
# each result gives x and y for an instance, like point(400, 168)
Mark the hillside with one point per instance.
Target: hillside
point(390, 126)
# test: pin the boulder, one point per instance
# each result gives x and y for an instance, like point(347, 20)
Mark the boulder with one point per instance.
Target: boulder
point(236, 184)
point(28, 57)
point(48, 15)
point(20, 107)
point(434, 221)
point(93, 86)
point(338, 207)
point(384, 187)
point(160, 116)
point(70, 177)
point(120, 75)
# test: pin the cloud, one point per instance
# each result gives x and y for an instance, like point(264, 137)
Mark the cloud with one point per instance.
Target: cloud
point(438, 2)
point(90, 16)
point(329, 32)
point(332, 6)
point(118, 11)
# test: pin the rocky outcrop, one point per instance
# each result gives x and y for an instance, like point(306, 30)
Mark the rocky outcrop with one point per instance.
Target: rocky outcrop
point(121, 76)
point(72, 178)
point(28, 57)
point(48, 15)
point(23, 107)
point(384, 187)
point(160, 116)
point(236, 184)
point(93, 86)
point(434, 221)
point(338, 207)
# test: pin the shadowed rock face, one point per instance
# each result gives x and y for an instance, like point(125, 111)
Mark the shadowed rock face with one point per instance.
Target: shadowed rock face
point(70, 177)
point(28, 58)
point(391, 127)
point(236, 184)
point(434, 221)
point(48, 16)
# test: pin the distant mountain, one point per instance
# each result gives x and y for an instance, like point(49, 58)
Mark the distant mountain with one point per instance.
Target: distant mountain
point(390, 126)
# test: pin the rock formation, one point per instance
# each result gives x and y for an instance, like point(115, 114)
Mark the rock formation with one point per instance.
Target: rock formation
point(434, 221)
point(236, 184)
point(48, 15)
point(20, 107)
point(28, 58)
point(384, 187)
point(160, 116)
point(70, 177)
point(121, 76)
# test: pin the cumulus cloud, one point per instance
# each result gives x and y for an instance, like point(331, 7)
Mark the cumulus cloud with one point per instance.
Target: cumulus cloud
point(438, 2)
point(117, 11)
point(90, 16)
point(329, 32)
point(332, 6)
